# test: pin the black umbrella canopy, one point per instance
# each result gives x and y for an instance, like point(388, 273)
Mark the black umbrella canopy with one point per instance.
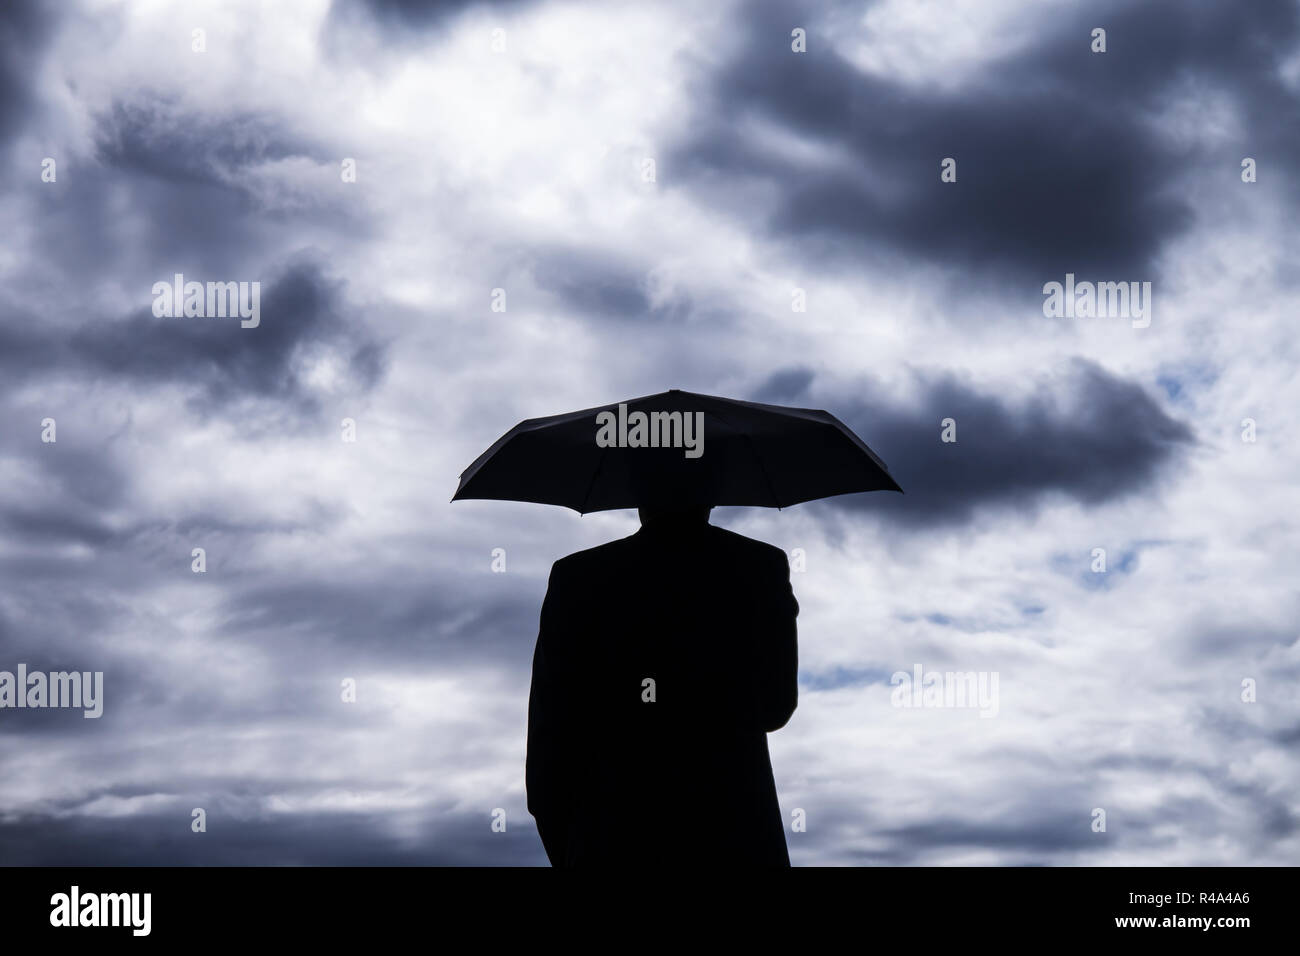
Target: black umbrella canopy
point(676, 449)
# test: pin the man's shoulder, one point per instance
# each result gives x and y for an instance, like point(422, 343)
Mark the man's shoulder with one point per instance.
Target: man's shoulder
point(599, 556)
point(760, 550)
point(603, 558)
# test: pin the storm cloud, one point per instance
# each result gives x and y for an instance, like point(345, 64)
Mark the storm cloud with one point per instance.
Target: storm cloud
point(1059, 165)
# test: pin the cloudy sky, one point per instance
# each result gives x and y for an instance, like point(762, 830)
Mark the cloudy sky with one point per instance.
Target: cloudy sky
point(654, 187)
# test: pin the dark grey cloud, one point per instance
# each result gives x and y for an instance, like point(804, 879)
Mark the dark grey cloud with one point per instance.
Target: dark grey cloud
point(1040, 834)
point(304, 317)
point(25, 29)
point(598, 285)
point(302, 311)
point(1269, 814)
point(289, 839)
point(154, 136)
point(474, 619)
point(1239, 633)
point(67, 513)
point(405, 22)
point(785, 386)
point(1060, 167)
point(202, 189)
point(1087, 435)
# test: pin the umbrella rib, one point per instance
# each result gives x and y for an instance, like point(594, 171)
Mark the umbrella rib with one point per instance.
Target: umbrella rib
point(763, 469)
point(600, 463)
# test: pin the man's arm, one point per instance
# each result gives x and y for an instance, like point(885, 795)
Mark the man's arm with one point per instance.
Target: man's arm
point(778, 677)
point(548, 769)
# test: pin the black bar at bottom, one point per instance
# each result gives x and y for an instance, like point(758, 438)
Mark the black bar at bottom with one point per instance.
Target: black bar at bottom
point(330, 905)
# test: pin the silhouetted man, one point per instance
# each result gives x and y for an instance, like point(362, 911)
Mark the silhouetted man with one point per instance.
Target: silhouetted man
point(663, 661)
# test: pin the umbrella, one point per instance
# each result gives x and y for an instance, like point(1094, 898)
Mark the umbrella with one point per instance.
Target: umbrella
point(676, 449)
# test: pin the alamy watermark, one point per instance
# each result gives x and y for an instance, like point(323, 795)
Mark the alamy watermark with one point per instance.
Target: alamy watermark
point(75, 908)
point(651, 430)
point(213, 300)
point(56, 689)
point(1098, 300)
point(950, 689)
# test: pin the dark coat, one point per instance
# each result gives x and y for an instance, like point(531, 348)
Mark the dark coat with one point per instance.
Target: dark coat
point(613, 779)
